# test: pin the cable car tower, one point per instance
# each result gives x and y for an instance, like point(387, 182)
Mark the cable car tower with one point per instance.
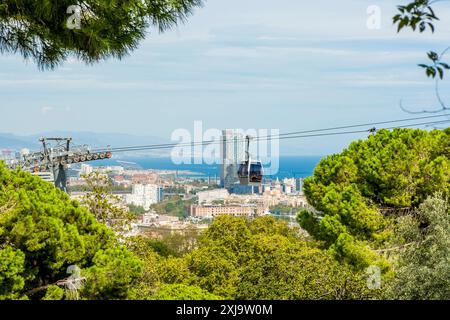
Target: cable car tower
point(52, 161)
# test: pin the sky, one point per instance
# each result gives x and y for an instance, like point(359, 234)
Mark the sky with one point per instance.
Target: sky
point(254, 64)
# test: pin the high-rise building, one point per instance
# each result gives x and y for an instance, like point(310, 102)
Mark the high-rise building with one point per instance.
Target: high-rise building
point(8, 156)
point(232, 154)
point(299, 185)
point(289, 185)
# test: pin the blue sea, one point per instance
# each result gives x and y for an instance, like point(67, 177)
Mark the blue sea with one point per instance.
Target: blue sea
point(289, 166)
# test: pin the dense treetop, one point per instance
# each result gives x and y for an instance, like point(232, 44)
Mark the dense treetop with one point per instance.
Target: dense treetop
point(392, 169)
point(423, 245)
point(43, 232)
point(263, 259)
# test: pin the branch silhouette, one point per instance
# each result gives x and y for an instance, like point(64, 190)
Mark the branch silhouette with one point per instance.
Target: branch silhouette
point(443, 107)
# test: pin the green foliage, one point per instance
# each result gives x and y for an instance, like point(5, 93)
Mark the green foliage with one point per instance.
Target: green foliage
point(420, 15)
point(39, 29)
point(84, 188)
point(136, 210)
point(54, 293)
point(356, 253)
point(422, 270)
point(183, 292)
point(174, 206)
point(228, 232)
point(278, 268)
point(395, 169)
point(437, 67)
point(262, 259)
point(309, 221)
point(270, 226)
point(175, 270)
point(110, 277)
point(417, 14)
point(168, 243)
point(147, 283)
point(12, 266)
point(43, 232)
point(176, 189)
point(162, 248)
point(106, 207)
point(214, 269)
point(282, 209)
point(180, 243)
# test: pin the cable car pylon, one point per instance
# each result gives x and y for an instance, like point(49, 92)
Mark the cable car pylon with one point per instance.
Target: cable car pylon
point(52, 161)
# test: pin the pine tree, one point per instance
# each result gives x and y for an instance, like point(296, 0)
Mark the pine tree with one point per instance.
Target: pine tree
point(49, 32)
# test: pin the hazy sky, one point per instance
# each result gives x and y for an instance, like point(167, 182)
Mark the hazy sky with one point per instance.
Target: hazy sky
point(284, 64)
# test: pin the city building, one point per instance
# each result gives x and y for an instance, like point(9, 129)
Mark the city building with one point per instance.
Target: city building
point(209, 196)
point(266, 187)
point(232, 154)
point(145, 195)
point(299, 185)
point(152, 219)
point(86, 169)
point(116, 169)
point(270, 198)
point(240, 189)
point(9, 156)
point(145, 178)
point(289, 185)
point(75, 181)
point(45, 175)
point(277, 185)
point(121, 181)
point(237, 210)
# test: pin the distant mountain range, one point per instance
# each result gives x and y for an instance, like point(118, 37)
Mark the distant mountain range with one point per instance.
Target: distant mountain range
point(16, 142)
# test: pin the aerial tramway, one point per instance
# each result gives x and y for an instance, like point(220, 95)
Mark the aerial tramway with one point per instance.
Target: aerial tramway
point(56, 154)
point(250, 172)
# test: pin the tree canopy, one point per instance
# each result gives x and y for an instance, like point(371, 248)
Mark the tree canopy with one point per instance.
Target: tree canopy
point(263, 259)
point(351, 190)
point(43, 233)
point(423, 242)
point(49, 32)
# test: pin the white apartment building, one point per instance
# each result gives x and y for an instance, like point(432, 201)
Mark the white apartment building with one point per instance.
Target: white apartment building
point(290, 185)
point(145, 195)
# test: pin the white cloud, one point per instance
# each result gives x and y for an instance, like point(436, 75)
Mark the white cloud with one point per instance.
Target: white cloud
point(46, 110)
point(277, 52)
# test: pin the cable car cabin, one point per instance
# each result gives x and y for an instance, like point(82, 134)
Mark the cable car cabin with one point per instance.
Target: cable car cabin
point(250, 173)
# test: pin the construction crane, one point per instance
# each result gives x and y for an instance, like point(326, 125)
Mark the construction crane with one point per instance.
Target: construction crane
point(55, 156)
